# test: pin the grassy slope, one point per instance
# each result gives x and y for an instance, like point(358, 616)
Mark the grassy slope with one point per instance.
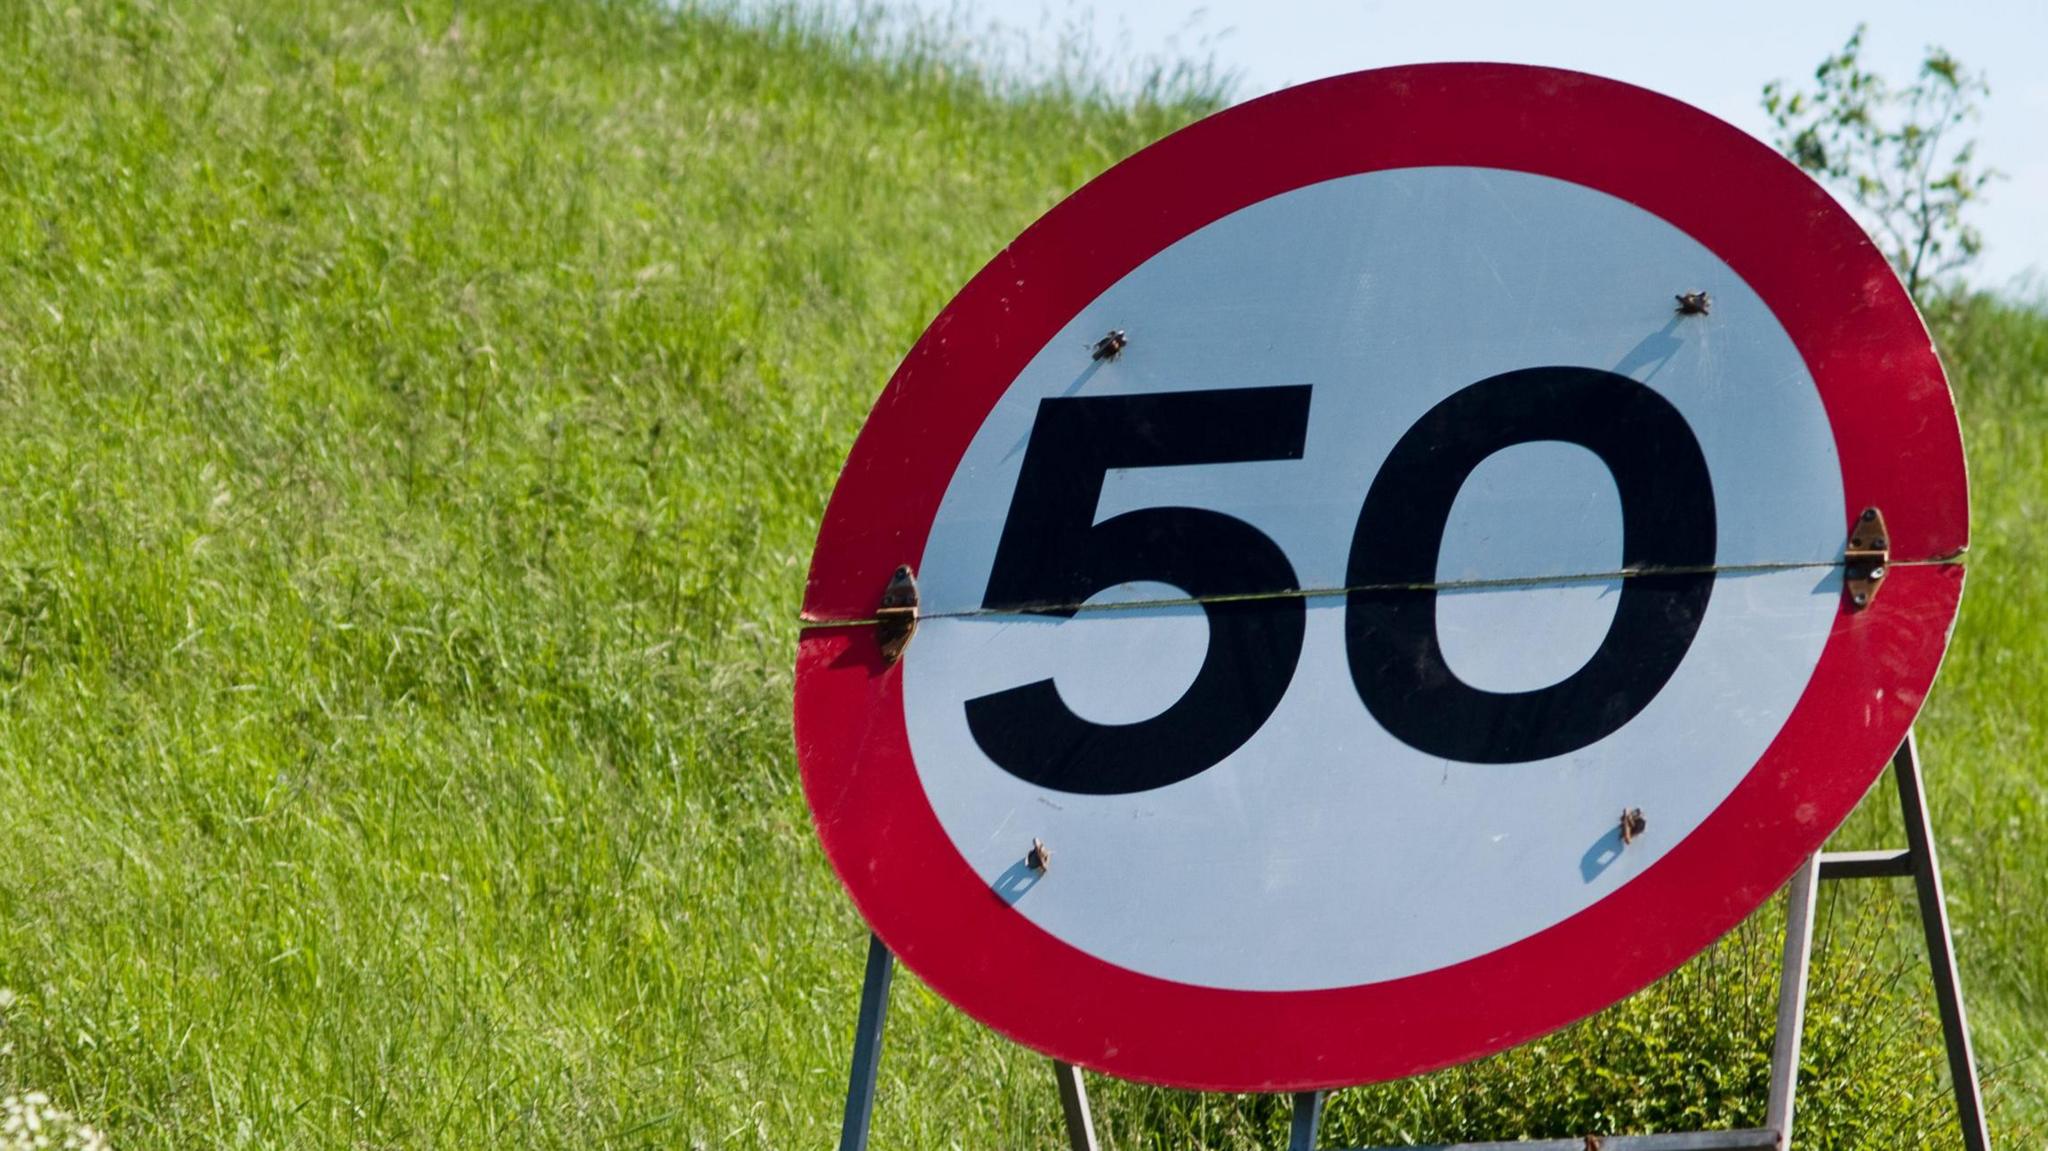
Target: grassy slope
point(415, 426)
point(1985, 732)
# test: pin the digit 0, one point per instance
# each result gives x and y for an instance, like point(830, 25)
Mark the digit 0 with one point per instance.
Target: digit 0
point(1667, 521)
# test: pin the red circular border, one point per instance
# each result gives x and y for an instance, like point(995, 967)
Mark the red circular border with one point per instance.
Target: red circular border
point(1900, 449)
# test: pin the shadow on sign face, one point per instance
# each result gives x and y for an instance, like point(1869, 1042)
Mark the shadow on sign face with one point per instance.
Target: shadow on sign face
point(1601, 855)
point(1653, 353)
point(1011, 885)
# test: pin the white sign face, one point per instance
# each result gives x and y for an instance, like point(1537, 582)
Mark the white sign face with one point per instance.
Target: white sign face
point(1381, 580)
point(1377, 298)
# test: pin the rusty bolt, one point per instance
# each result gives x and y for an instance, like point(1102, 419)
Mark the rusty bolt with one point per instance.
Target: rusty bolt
point(1694, 303)
point(1632, 825)
point(1110, 346)
point(1038, 857)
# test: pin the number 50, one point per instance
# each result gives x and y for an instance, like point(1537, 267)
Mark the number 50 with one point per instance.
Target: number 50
point(1053, 556)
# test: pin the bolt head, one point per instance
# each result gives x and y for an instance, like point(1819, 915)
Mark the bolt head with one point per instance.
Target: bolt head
point(1037, 858)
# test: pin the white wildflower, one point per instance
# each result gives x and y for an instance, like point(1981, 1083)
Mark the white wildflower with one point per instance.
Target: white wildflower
point(29, 1123)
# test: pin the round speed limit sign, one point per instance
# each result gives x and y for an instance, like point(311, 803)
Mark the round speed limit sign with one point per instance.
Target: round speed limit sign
point(1393, 577)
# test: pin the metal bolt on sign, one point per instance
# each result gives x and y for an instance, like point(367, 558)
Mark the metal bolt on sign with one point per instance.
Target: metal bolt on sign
point(1632, 825)
point(896, 616)
point(1865, 558)
point(1349, 610)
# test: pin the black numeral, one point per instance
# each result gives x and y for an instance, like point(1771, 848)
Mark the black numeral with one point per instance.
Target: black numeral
point(1667, 520)
point(1053, 556)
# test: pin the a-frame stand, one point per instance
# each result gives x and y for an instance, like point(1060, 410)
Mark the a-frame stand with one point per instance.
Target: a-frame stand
point(1917, 859)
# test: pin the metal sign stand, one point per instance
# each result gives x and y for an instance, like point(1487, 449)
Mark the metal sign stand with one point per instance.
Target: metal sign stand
point(1917, 859)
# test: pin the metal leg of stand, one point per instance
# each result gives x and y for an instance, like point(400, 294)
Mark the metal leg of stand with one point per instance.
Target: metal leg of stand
point(1941, 956)
point(1308, 1115)
point(867, 1047)
point(1792, 976)
point(1074, 1105)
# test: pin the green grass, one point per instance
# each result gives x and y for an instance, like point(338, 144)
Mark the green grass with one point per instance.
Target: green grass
point(414, 420)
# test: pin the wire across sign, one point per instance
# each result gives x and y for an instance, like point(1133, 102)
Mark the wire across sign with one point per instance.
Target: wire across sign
point(1401, 564)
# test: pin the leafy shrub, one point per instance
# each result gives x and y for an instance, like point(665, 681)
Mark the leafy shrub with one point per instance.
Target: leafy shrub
point(1895, 154)
point(1692, 1052)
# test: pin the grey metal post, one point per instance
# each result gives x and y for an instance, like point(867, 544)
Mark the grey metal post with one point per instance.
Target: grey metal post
point(1792, 977)
point(1941, 956)
point(867, 1046)
point(1074, 1105)
point(1308, 1115)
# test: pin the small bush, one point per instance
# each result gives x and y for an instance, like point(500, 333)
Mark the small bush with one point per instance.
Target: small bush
point(1690, 1053)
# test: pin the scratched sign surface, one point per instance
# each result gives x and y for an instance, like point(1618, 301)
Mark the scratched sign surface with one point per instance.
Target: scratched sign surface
point(1428, 618)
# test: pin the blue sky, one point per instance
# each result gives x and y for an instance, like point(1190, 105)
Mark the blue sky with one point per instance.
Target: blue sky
point(1716, 54)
